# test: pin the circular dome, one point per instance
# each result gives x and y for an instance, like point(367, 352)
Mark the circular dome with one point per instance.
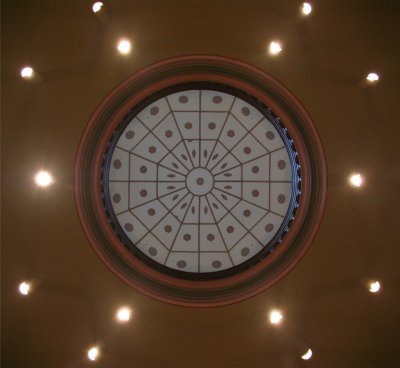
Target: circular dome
point(200, 181)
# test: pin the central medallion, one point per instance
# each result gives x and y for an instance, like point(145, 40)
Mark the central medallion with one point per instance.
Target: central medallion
point(199, 181)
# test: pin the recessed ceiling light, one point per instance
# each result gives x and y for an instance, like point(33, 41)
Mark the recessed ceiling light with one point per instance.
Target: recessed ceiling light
point(374, 286)
point(306, 8)
point(27, 72)
point(124, 314)
point(356, 180)
point(97, 6)
point(275, 317)
point(124, 47)
point(43, 178)
point(307, 355)
point(275, 48)
point(24, 288)
point(93, 353)
point(372, 77)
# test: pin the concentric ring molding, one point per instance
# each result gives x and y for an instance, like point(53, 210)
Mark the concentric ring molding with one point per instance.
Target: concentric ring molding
point(199, 74)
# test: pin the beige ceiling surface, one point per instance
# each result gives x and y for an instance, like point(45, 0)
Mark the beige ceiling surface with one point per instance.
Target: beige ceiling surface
point(325, 302)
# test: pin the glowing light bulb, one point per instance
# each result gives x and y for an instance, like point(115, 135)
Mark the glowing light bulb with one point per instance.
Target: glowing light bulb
point(374, 286)
point(372, 77)
point(93, 353)
point(24, 288)
point(275, 48)
point(124, 47)
point(97, 6)
point(306, 8)
point(124, 314)
point(43, 179)
point(27, 72)
point(275, 317)
point(307, 355)
point(356, 180)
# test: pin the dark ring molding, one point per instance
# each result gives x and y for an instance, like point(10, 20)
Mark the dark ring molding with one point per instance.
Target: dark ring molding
point(134, 90)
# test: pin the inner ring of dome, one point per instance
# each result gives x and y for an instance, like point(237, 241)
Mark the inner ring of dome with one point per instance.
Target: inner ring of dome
point(201, 182)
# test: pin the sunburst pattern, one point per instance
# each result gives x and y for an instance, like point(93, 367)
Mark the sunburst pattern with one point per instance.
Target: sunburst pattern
point(200, 181)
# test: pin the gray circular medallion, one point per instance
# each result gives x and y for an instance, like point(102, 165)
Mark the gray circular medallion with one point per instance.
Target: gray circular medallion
point(209, 167)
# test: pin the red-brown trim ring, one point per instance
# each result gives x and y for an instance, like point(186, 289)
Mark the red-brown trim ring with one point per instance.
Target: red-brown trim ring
point(131, 92)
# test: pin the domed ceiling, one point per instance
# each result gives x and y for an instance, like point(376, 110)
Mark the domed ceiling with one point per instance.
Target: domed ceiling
point(72, 300)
